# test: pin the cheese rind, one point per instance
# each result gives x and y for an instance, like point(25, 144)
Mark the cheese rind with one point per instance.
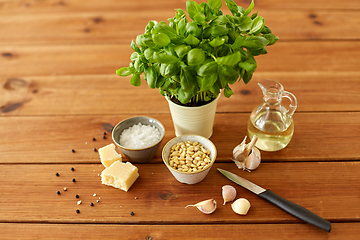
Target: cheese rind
point(108, 155)
point(120, 175)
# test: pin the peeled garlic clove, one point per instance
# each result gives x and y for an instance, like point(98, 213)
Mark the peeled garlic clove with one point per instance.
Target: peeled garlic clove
point(241, 206)
point(228, 193)
point(207, 206)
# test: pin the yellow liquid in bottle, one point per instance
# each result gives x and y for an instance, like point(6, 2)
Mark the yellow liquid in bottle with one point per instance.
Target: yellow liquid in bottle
point(273, 135)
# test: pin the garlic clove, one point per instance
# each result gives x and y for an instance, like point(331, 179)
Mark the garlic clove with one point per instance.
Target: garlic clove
point(241, 206)
point(253, 160)
point(247, 156)
point(228, 193)
point(207, 206)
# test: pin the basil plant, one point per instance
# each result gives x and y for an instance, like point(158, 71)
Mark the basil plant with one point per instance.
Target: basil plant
point(193, 60)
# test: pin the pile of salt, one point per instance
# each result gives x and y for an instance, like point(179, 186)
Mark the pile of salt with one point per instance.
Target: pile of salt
point(139, 136)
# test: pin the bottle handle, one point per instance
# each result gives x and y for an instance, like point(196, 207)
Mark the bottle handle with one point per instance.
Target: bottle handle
point(293, 102)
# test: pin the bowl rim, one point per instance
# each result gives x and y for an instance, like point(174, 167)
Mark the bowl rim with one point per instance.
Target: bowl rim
point(137, 149)
point(191, 173)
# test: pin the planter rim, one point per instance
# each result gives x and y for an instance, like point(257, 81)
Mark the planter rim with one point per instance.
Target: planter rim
point(180, 106)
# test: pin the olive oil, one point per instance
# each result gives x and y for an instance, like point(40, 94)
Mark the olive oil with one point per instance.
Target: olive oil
point(272, 133)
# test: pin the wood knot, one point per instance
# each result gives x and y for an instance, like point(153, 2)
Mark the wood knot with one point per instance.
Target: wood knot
point(15, 83)
point(98, 19)
point(312, 15)
point(11, 107)
point(167, 195)
point(245, 92)
point(7, 54)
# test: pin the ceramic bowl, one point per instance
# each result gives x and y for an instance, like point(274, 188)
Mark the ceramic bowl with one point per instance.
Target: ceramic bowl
point(141, 155)
point(189, 177)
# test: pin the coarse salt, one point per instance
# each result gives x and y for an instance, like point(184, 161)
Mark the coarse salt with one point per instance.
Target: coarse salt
point(139, 136)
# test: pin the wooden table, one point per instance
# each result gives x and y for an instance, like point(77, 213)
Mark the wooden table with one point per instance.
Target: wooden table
point(59, 90)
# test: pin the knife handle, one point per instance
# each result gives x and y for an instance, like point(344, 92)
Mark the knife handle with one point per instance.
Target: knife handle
point(295, 210)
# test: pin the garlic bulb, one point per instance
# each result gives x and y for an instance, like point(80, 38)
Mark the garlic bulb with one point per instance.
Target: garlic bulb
point(241, 206)
point(247, 156)
point(207, 206)
point(228, 193)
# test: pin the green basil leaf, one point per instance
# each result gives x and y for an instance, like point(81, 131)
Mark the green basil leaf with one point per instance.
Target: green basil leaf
point(135, 47)
point(228, 70)
point(194, 29)
point(255, 42)
point(169, 69)
point(207, 69)
point(219, 30)
point(249, 9)
point(248, 65)
point(207, 82)
point(148, 53)
point(182, 50)
point(140, 39)
point(191, 40)
point(232, 7)
point(229, 60)
point(163, 57)
point(150, 26)
point(195, 56)
point(257, 52)
point(239, 41)
point(215, 4)
point(271, 38)
point(123, 72)
point(182, 26)
point(148, 41)
point(216, 42)
point(162, 27)
point(139, 65)
point(186, 79)
point(135, 80)
point(134, 56)
point(257, 25)
point(200, 18)
point(151, 76)
point(215, 89)
point(161, 39)
point(244, 23)
point(160, 81)
point(185, 96)
point(192, 8)
point(247, 77)
point(228, 91)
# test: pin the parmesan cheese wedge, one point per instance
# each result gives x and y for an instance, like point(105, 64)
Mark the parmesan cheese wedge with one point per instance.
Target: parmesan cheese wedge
point(120, 175)
point(108, 155)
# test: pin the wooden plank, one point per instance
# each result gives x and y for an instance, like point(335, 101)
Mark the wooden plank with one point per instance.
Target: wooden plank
point(8, 7)
point(317, 137)
point(36, 60)
point(179, 232)
point(29, 194)
point(123, 26)
point(109, 94)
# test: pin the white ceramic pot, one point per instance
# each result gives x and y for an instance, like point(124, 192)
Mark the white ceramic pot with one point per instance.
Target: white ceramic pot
point(193, 120)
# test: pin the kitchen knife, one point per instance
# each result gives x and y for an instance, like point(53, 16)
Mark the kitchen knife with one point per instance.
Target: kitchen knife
point(289, 207)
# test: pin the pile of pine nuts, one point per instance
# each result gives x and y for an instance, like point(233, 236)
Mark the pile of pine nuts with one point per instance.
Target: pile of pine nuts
point(189, 157)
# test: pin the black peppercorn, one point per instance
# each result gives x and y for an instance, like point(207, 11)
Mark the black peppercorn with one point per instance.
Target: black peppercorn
point(77, 196)
point(94, 149)
point(57, 174)
point(58, 192)
point(77, 211)
point(104, 137)
point(104, 133)
point(132, 213)
point(94, 139)
point(91, 204)
point(73, 150)
point(72, 169)
point(73, 180)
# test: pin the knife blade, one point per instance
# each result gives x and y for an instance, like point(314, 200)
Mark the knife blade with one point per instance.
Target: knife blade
point(286, 205)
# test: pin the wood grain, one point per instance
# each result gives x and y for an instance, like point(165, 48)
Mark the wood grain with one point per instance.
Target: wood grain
point(123, 26)
point(109, 94)
point(157, 197)
point(317, 137)
point(106, 59)
point(12, 231)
